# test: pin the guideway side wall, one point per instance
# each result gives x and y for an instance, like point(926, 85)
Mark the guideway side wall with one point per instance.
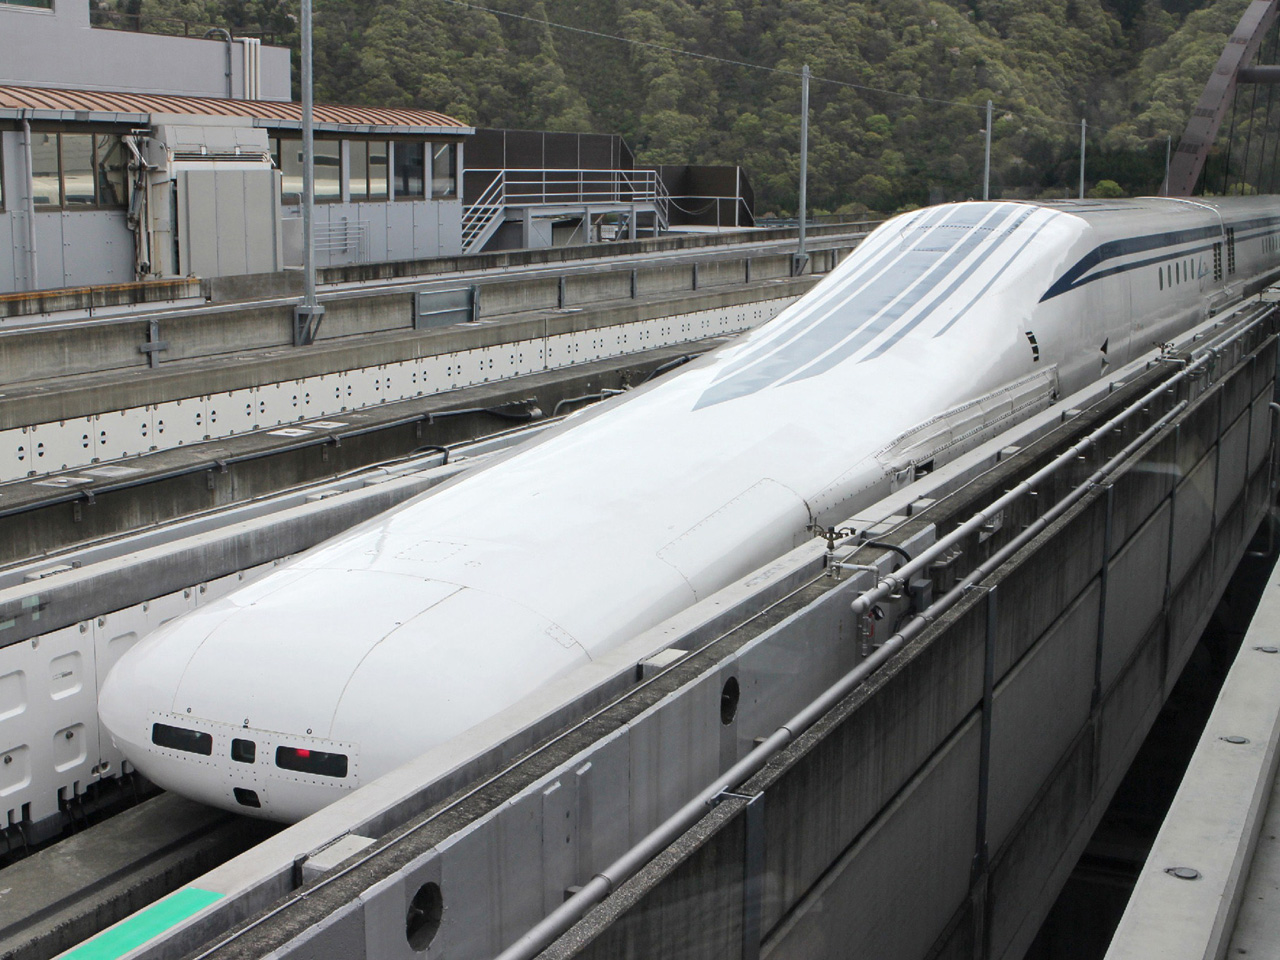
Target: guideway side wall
point(226, 371)
point(933, 813)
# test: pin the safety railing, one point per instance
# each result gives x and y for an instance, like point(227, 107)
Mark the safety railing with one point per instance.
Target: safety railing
point(728, 211)
point(530, 187)
point(343, 238)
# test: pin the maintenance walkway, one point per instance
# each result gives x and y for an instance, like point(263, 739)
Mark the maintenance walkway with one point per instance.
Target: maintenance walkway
point(1210, 887)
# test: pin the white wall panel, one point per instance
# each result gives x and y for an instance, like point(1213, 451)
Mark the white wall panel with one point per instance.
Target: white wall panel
point(48, 722)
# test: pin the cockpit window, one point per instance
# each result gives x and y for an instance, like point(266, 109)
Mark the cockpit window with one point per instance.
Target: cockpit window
point(178, 738)
point(311, 761)
point(244, 751)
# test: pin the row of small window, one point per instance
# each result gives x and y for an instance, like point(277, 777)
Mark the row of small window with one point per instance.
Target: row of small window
point(373, 170)
point(1177, 272)
point(1271, 244)
point(298, 759)
point(39, 4)
point(78, 170)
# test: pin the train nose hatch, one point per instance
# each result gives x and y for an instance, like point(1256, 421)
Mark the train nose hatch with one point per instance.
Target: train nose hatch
point(247, 798)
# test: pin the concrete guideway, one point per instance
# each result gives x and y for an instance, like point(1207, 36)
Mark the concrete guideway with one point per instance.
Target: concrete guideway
point(777, 635)
point(124, 301)
point(919, 817)
point(64, 424)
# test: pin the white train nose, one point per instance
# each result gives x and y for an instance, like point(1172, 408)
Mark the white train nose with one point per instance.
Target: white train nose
point(233, 704)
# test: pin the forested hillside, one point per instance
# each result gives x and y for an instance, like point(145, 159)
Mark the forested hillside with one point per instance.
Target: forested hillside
point(1132, 67)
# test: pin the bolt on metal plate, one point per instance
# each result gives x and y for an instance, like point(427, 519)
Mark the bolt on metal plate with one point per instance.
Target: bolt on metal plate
point(1234, 739)
point(1267, 649)
point(1183, 873)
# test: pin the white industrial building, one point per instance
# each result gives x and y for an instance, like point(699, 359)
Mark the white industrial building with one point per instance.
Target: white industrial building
point(110, 187)
point(123, 159)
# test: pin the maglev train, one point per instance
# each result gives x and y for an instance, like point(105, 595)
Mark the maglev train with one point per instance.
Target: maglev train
point(416, 626)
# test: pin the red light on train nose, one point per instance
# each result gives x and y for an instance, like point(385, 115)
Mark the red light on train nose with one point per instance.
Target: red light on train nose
point(317, 762)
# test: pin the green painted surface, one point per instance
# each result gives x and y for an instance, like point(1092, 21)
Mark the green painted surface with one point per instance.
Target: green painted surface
point(144, 925)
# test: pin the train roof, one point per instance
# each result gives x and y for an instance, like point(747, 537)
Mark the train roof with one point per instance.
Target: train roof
point(1143, 215)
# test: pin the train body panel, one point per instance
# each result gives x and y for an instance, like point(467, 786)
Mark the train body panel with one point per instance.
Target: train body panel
point(418, 625)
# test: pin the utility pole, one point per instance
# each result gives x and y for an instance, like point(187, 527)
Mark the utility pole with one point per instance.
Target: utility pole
point(306, 316)
point(986, 172)
point(801, 259)
point(1084, 132)
point(1168, 156)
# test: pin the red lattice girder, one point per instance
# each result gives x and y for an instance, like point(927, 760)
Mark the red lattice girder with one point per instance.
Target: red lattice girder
point(1206, 119)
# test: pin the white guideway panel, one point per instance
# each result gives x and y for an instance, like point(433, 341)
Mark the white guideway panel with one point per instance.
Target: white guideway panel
point(947, 325)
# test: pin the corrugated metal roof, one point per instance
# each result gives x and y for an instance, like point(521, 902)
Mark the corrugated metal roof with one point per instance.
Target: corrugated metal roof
point(288, 114)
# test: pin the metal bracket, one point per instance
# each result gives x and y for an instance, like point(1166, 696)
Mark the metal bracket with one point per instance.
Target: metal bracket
point(832, 536)
point(154, 344)
point(799, 262)
point(728, 794)
point(306, 323)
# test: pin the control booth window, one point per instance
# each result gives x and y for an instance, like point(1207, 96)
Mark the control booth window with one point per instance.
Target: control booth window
point(367, 176)
point(410, 169)
point(38, 4)
point(444, 170)
point(78, 171)
point(46, 181)
point(288, 157)
point(328, 170)
point(111, 171)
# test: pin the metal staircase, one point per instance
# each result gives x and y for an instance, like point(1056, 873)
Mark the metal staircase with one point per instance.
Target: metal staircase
point(481, 220)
